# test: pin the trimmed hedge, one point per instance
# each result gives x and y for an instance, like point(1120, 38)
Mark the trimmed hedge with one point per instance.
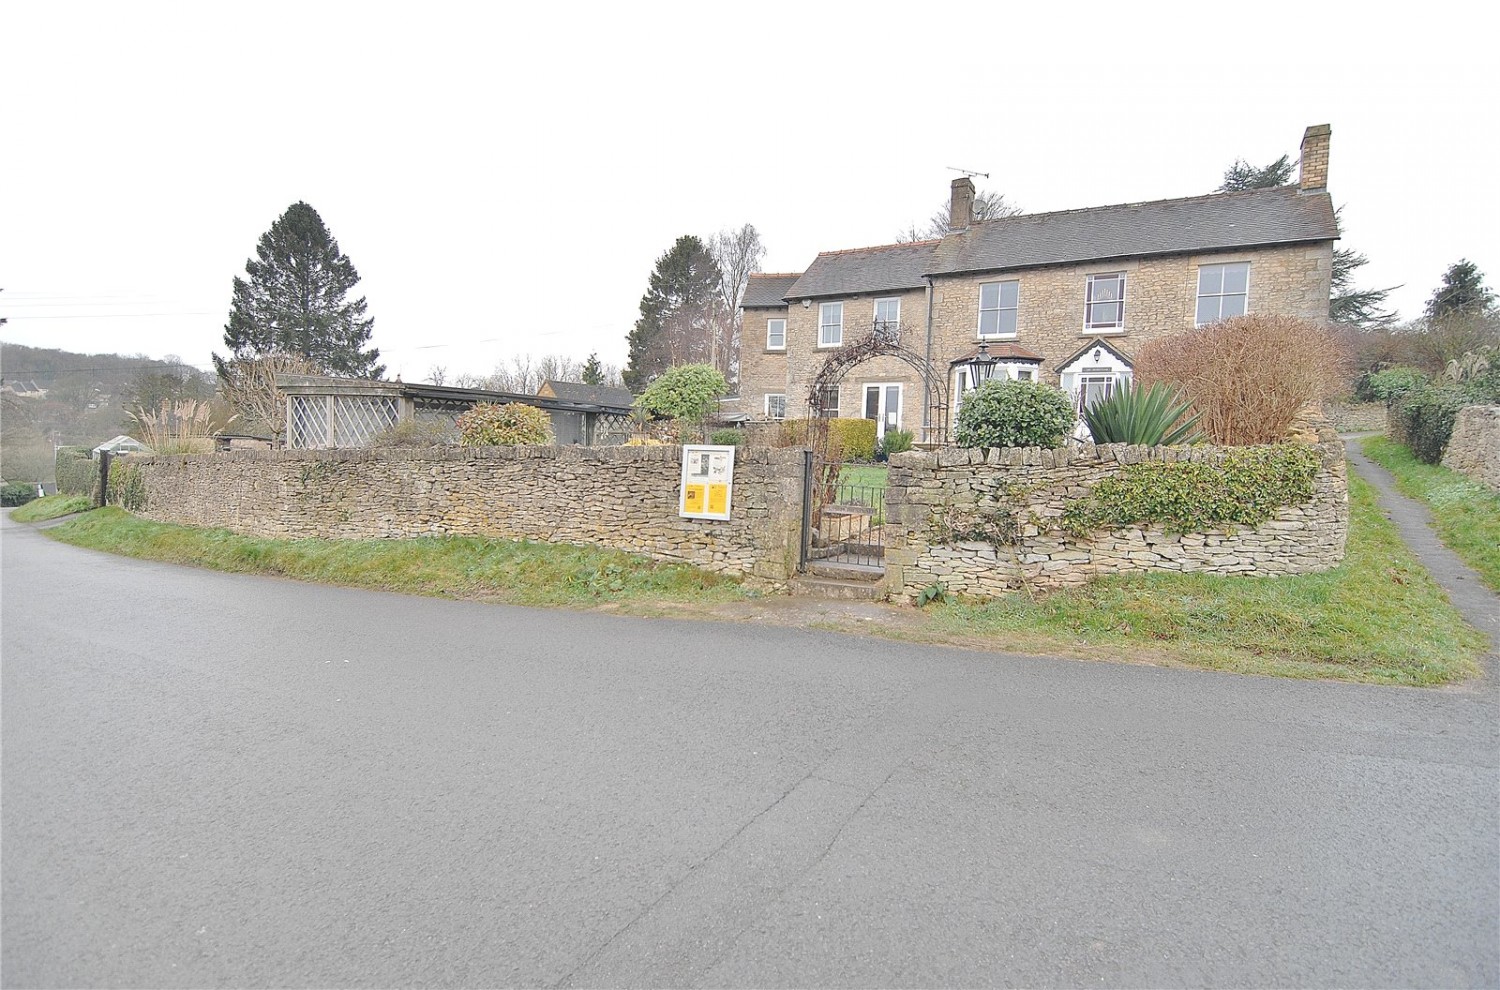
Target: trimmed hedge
point(77, 472)
point(855, 437)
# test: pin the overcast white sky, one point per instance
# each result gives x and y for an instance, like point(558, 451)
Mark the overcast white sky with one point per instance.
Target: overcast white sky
point(504, 178)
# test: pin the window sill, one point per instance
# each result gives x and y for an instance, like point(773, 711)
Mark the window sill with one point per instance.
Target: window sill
point(774, 350)
point(828, 347)
point(1111, 332)
point(982, 339)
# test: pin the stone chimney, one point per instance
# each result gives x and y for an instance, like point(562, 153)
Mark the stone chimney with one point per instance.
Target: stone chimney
point(1314, 171)
point(961, 207)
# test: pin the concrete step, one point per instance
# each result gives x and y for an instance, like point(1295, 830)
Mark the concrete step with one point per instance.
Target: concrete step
point(819, 587)
point(843, 571)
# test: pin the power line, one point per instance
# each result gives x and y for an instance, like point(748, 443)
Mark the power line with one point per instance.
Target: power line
point(111, 316)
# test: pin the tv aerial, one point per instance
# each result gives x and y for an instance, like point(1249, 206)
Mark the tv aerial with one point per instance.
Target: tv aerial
point(969, 173)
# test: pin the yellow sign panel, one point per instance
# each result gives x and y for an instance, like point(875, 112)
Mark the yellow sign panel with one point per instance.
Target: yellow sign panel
point(692, 498)
point(718, 499)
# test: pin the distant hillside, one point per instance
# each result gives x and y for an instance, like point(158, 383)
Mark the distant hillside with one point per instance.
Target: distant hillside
point(50, 396)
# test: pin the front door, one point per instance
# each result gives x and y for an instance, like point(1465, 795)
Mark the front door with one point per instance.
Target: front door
point(883, 405)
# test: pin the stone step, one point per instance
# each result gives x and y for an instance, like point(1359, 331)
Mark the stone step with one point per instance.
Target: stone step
point(820, 587)
point(844, 571)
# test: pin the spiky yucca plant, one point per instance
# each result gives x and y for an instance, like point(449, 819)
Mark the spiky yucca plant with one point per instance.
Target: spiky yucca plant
point(1153, 416)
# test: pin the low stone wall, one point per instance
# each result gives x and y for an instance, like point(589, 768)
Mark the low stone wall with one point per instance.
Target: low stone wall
point(1356, 417)
point(984, 523)
point(623, 498)
point(1474, 447)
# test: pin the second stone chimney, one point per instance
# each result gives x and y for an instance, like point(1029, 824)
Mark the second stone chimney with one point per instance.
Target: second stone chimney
point(1314, 171)
point(961, 207)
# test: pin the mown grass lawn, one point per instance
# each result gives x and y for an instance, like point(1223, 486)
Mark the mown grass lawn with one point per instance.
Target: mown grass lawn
point(864, 476)
point(52, 506)
point(1465, 513)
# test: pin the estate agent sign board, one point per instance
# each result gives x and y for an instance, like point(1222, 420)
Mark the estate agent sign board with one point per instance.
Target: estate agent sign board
point(707, 481)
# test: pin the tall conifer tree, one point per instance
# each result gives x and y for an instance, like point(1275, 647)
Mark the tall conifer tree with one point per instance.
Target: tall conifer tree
point(294, 301)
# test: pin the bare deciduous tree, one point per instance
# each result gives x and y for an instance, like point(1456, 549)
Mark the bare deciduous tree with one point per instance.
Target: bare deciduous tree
point(987, 206)
point(248, 384)
point(738, 254)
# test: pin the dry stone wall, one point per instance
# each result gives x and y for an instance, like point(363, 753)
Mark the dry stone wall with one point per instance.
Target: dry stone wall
point(1474, 447)
point(623, 498)
point(984, 523)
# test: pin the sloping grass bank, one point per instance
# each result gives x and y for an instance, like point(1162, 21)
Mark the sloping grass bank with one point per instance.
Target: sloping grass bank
point(447, 567)
point(1377, 617)
point(52, 506)
point(1465, 513)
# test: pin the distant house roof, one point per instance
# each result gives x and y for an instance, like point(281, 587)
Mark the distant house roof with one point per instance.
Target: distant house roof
point(768, 289)
point(886, 268)
point(1252, 218)
point(598, 395)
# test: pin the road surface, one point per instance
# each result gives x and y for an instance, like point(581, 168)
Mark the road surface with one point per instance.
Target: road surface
point(218, 780)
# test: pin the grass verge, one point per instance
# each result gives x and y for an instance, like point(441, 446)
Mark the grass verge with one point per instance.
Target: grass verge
point(52, 506)
point(447, 567)
point(1465, 513)
point(1377, 617)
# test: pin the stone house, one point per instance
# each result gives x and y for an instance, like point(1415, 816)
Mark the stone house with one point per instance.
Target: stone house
point(1066, 298)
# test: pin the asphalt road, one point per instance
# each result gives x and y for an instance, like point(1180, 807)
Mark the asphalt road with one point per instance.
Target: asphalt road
point(211, 780)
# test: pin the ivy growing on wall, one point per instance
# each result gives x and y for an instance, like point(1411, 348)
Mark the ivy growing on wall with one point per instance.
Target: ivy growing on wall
point(1244, 488)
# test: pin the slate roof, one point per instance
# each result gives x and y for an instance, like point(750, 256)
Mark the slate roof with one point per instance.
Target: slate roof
point(1168, 226)
point(887, 268)
point(768, 289)
point(597, 395)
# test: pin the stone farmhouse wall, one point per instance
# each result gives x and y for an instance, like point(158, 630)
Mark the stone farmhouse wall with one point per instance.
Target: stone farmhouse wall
point(938, 502)
point(1474, 447)
point(623, 498)
point(1161, 299)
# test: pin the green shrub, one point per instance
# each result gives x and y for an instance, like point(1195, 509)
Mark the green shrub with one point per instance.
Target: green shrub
point(1392, 383)
point(416, 433)
point(18, 493)
point(854, 437)
point(687, 393)
point(1006, 413)
point(511, 425)
point(77, 472)
point(1245, 488)
point(728, 438)
point(895, 442)
point(1423, 418)
point(1150, 416)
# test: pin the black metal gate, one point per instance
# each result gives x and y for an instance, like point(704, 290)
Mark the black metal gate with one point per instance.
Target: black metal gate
point(843, 515)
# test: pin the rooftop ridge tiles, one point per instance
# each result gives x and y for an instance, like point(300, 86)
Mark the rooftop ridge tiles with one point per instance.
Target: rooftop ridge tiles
point(881, 247)
point(1244, 193)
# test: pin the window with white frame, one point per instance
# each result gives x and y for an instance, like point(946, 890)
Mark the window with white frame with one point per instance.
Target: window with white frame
point(776, 335)
point(1104, 306)
point(1222, 291)
point(997, 308)
point(830, 324)
point(887, 314)
point(828, 402)
point(776, 407)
